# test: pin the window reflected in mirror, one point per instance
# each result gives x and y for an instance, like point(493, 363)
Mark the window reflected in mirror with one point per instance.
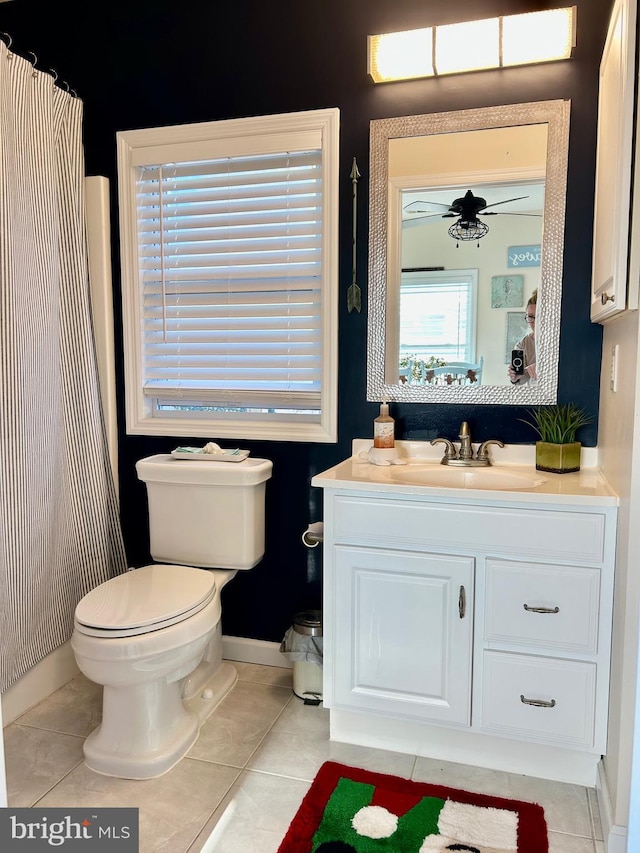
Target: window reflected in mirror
point(438, 318)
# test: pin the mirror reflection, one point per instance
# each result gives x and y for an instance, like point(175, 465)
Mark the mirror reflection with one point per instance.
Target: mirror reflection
point(466, 228)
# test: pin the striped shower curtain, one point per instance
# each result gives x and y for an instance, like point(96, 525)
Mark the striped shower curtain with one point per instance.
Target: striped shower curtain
point(59, 527)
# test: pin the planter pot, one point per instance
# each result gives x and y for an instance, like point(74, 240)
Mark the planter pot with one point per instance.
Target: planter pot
point(558, 458)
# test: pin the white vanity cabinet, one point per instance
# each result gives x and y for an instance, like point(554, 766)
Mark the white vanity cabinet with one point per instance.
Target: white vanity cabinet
point(468, 625)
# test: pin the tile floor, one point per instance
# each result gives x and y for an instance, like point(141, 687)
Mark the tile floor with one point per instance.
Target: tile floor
point(243, 780)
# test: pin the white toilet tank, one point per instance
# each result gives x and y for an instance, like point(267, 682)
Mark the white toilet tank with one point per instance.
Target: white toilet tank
point(208, 514)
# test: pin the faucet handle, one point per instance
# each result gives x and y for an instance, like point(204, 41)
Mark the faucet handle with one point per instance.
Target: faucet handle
point(483, 454)
point(449, 449)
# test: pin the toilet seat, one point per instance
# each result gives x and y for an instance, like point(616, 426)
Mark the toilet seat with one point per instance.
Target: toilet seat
point(144, 600)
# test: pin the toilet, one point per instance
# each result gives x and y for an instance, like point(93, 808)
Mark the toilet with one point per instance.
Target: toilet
point(152, 636)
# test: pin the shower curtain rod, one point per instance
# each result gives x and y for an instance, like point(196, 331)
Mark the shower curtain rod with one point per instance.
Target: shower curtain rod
point(33, 62)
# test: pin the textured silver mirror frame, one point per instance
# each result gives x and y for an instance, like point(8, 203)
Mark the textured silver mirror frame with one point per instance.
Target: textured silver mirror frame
point(544, 391)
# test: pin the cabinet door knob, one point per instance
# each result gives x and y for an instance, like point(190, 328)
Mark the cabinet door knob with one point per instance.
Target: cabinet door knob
point(462, 602)
point(604, 298)
point(541, 609)
point(539, 703)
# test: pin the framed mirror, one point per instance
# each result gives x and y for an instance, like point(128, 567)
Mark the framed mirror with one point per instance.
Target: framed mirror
point(466, 224)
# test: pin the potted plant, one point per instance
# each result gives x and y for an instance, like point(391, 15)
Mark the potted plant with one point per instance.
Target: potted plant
point(558, 451)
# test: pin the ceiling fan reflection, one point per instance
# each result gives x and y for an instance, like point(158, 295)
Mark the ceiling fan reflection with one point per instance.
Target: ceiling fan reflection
point(467, 208)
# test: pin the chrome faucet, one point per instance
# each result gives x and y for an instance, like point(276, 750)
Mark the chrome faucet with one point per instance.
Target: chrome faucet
point(464, 457)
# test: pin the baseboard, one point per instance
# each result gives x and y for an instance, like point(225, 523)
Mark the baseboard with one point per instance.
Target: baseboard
point(246, 650)
point(40, 681)
point(615, 836)
point(462, 746)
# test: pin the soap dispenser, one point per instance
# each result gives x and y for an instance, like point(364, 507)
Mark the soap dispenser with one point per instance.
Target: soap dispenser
point(383, 428)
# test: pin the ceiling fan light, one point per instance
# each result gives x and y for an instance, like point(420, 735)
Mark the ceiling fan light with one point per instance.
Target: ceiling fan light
point(465, 229)
point(538, 36)
point(470, 46)
point(400, 56)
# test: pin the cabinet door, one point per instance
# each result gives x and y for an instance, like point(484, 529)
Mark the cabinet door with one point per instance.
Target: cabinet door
point(403, 633)
point(613, 164)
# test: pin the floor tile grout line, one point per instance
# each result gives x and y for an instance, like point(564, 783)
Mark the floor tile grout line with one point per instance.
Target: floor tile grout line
point(594, 814)
point(46, 729)
point(34, 804)
point(571, 834)
point(261, 772)
point(267, 732)
point(413, 768)
point(215, 809)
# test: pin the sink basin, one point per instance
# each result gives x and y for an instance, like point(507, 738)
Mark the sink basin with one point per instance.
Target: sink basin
point(443, 477)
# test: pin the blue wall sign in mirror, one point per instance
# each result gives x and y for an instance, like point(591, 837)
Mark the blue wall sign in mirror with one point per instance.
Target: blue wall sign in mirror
point(524, 256)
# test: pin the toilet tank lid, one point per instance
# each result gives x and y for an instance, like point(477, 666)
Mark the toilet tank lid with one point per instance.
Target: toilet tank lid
point(163, 468)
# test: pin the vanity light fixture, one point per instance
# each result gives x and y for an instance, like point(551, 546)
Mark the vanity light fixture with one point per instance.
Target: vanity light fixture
point(500, 42)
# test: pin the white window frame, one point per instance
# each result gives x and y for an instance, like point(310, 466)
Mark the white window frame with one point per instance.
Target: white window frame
point(468, 280)
point(234, 137)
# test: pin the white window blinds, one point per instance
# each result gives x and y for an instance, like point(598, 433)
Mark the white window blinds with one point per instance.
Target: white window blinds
point(438, 314)
point(229, 241)
point(231, 269)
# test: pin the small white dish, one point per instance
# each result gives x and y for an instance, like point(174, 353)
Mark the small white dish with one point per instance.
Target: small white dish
point(221, 456)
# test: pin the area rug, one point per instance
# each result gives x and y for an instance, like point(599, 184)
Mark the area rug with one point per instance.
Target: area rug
point(348, 810)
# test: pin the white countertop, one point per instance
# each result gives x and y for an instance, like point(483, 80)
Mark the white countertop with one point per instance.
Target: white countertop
point(585, 487)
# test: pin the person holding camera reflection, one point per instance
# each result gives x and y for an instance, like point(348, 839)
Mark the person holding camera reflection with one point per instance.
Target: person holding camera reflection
point(527, 346)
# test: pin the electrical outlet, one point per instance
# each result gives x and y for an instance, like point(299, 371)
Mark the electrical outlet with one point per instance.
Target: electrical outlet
point(613, 375)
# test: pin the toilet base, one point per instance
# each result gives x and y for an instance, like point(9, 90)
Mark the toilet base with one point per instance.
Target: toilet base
point(131, 749)
point(212, 692)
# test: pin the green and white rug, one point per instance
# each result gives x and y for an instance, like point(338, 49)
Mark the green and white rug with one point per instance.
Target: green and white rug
point(348, 810)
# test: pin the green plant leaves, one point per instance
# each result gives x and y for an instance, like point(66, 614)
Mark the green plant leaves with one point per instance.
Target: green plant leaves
point(557, 424)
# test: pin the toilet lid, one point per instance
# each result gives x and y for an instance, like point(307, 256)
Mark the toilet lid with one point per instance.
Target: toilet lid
point(146, 599)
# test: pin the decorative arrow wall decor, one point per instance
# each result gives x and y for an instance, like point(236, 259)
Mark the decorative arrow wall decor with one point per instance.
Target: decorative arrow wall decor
point(354, 294)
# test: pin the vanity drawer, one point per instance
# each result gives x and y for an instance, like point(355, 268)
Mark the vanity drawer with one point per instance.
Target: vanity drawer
point(543, 605)
point(574, 536)
point(565, 691)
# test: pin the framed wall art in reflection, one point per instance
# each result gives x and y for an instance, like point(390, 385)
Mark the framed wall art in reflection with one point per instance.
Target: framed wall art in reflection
point(506, 291)
point(515, 331)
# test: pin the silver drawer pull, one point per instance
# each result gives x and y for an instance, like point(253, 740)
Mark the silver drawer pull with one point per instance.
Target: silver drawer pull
point(539, 703)
point(541, 609)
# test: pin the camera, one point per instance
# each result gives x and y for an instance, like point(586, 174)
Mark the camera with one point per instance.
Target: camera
point(517, 361)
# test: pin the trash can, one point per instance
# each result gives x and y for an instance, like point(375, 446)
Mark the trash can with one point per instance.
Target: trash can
point(302, 644)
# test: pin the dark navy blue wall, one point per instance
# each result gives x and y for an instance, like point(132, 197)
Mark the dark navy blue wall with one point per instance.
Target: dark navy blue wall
point(142, 63)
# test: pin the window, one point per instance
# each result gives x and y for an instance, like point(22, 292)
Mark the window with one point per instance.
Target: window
point(438, 315)
point(229, 241)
